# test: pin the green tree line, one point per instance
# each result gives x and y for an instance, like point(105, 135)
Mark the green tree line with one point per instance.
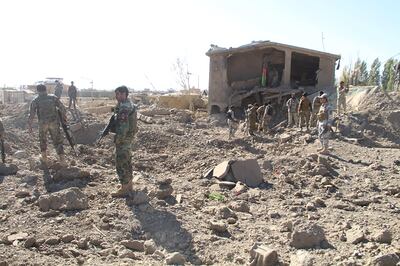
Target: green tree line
point(388, 77)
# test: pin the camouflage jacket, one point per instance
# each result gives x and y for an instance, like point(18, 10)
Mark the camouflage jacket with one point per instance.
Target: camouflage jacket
point(304, 104)
point(46, 106)
point(58, 90)
point(126, 122)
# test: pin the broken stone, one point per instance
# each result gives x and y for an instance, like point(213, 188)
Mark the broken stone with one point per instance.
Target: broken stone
point(284, 137)
point(17, 236)
point(267, 165)
point(149, 246)
point(67, 238)
point(70, 173)
point(22, 194)
point(218, 227)
point(310, 207)
point(248, 172)
point(225, 213)
point(307, 235)
point(361, 202)
point(139, 197)
point(29, 242)
point(239, 188)
point(318, 202)
point(302, 258)
point(262, 255)
point(355, 236)
point(52, 241)
point(240, 206)
point(136, 245)
point(127, 254)
point(164, 191)
point(65, 200)
point(175, 259)
point(383, 236)
point(221, 170)
point(385, 260)
point(11, 169)
point(20, 154)
point(83, 243)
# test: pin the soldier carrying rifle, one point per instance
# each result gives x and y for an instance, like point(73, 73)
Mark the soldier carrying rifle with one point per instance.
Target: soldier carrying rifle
point(124, 124)
point(50, 111)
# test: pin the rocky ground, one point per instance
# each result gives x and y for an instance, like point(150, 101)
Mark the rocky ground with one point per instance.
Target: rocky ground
point(341, 209)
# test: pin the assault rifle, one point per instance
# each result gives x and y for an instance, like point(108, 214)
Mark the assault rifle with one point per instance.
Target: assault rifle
point(67, 132)
point(3, 153)
point(109, 128)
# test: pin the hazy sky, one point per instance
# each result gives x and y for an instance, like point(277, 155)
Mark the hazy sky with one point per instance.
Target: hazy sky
point(121, 42)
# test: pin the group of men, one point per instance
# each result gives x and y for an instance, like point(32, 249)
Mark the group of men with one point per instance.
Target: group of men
point(51, 112)
point(301, 112)
point(257, 118)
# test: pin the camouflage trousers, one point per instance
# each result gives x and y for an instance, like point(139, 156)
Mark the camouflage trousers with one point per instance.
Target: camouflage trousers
point(341, 104)
point(54, 129)
point(123, 162)
point(292, 119)
point(265, 123)
point(304, 119)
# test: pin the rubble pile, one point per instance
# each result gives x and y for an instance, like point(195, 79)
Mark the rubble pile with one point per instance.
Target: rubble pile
point(202, 199)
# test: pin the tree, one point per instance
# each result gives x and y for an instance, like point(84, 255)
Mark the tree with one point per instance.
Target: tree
point(345, 76)
point(363, 76)
point(181, 69)
point(389, 75)
point(374, 73)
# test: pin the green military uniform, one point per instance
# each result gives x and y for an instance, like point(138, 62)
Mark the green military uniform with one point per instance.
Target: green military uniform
point(125, 129)
point(46, 106)
point(304, 112)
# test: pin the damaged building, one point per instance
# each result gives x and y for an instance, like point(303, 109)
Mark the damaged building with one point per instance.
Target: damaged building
point(264, 70)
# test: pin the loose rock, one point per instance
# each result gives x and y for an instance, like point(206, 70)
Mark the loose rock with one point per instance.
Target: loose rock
point(307, 236)
point(262, 255)
point(135, 245)
point(175, 259)
point(66, 200)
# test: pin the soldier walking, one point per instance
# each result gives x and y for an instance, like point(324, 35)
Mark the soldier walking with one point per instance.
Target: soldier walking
point(125, 130)
point(291, 105)
point(316, 104)
point(324, 126)
point(304, 111)
point(72, 94)
point(251, 119)
point(341, 100)
point(48, 107)
point(231, 120)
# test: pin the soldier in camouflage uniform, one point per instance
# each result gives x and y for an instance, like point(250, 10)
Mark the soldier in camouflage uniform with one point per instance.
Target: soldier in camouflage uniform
point(47, 106)
point(125, 130)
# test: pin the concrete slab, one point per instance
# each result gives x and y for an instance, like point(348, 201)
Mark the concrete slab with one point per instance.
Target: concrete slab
point(221, 170)
point(248, 172)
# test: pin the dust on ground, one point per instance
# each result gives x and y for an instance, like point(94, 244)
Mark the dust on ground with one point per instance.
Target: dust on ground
point(342, 209)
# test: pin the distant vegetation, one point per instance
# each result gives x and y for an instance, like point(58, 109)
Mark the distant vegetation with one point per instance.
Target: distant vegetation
point(387, 78)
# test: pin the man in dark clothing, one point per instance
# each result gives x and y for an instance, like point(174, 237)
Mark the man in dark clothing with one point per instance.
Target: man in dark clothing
point(72, 93)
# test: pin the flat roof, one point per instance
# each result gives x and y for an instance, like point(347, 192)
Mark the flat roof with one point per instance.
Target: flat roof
point(259, 45)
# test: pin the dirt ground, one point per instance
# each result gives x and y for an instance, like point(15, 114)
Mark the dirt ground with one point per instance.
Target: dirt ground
point(349, 200)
